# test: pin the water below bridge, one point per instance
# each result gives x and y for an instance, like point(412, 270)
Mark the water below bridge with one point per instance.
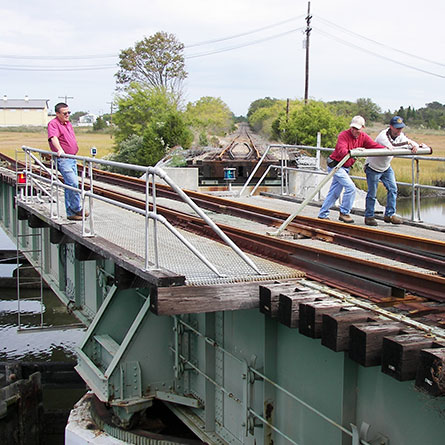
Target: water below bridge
point(432, 209)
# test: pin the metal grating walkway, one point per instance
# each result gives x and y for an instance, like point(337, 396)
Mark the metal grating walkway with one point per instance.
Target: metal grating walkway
point(126, 229)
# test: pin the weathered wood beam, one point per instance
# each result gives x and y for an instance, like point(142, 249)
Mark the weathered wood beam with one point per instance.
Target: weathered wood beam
point(335, 328)
point(35, 222)
point(83, 253)
point(400, 355)
point(431, 371)
point(58, 237)
point(269, 295)
point(176, 300)
point(311, 315)
point(128, 280)
point(367, 341)
point(289, 306)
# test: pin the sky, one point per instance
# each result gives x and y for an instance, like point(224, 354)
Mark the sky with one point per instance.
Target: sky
point(237, 50)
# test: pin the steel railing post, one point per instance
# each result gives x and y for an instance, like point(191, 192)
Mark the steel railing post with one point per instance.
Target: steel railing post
point(155, 226)
point(311, 195)
point(147, 219)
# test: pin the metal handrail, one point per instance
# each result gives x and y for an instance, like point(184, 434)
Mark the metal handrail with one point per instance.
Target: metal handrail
point(359, 152)
point(54, 182)
point(414, 184)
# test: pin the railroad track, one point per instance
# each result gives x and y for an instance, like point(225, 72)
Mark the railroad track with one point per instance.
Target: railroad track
point(421, 252)
point(243, 139)
point(374, 280)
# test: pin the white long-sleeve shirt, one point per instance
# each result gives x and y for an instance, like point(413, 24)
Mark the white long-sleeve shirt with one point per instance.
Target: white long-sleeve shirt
point(382, 163)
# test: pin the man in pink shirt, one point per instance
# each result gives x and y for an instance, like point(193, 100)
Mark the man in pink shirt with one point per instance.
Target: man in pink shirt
point(347, 140)
point(62, 141)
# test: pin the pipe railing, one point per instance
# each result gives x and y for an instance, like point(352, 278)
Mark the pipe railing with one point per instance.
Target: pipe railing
point(355, 153)
point(54, 184)
point(416, 187)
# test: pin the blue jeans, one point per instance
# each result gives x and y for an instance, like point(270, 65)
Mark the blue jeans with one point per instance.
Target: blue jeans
point(68, 169)
point(389, 181)
point(341, 180)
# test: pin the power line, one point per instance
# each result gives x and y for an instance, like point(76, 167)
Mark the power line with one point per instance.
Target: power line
point(92, 56)
point(206, 42)
point(254, 42)
point(379, 43)
point(104, 56)
point(352, 45)
point(30, 68)
point(192, 56)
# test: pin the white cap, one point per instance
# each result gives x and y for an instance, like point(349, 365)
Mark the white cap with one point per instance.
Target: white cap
point(357, 122)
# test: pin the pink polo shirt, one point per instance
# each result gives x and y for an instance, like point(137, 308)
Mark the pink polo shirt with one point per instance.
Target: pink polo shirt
point(65, 134)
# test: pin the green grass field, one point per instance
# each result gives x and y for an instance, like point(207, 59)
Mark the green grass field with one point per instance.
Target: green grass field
point(10, 141)
point(430, 172)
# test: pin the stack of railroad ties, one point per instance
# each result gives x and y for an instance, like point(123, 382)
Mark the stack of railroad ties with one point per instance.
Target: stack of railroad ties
point(403, 351)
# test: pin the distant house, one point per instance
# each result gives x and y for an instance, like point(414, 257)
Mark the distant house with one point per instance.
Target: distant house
point(87, 120)
point(23, 112)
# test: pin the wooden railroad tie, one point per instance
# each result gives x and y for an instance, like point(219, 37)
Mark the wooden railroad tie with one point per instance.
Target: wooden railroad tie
point(311, 315)
point(403, 352)
point(400, 354)
point(367, 340)
point(336, 327)
point(269, 295)
point(431, 371)
point(289, 305)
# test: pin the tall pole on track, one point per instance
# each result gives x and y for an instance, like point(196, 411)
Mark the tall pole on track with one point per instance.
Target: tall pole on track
point(308, 32)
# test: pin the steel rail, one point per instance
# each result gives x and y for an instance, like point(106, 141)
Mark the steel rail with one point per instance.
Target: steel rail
point(268, 246)
point(411, 250)
point(291, 253)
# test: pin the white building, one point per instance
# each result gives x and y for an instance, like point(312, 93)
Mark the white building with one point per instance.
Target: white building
point(87, 120)
point(23, 112)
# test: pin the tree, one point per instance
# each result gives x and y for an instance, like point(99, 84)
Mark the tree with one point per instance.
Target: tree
point(100, 124)
point(152, 116)
point(210, 114)
point(266, 112)
point(307, 120)
point(155, 61)
point(343, 108)
point(368, 109)
point(260, 103)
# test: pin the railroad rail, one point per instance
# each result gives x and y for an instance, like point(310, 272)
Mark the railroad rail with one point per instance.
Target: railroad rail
point(380, 283)
point(243, 138)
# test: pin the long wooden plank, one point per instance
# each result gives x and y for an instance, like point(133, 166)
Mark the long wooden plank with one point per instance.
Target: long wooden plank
point(177, 300)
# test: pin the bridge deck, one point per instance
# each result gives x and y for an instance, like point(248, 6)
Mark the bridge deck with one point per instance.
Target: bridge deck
point(120, 234)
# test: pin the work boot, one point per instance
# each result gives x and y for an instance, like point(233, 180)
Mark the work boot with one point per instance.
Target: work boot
point(371, 221)
point(394, 219)
point(75, 217)
point(345, 218)
point(87, 213)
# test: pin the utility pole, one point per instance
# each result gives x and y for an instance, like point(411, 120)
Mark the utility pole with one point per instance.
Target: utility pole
point(287, 110)
point(308, 32)
point(111, 118)
point(66, 98)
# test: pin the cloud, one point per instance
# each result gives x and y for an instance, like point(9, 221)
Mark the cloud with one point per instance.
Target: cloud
point(274, 67)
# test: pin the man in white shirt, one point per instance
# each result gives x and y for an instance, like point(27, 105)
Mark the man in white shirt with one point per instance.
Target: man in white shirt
point(378, 168)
